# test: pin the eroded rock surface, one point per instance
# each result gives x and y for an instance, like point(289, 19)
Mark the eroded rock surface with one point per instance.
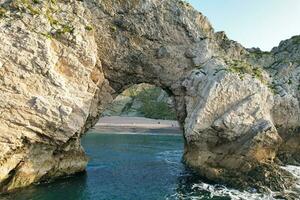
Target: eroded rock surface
point(63, 62)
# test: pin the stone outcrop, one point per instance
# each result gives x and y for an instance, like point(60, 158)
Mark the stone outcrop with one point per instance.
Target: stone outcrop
point(62, 63)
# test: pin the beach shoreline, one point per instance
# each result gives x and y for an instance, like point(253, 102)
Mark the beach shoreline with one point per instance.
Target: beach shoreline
point(136, 125)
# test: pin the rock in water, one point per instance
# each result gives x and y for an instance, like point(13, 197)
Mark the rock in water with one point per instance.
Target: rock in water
point(63, 62)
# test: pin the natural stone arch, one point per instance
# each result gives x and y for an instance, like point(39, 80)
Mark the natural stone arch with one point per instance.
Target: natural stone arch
point(58, 77)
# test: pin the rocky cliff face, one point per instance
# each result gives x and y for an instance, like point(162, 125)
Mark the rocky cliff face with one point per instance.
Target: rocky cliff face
point(62, 62)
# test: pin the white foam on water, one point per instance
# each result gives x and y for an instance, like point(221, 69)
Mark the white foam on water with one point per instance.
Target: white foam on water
point(222, 191)
point(233, 194)
point(295, 170)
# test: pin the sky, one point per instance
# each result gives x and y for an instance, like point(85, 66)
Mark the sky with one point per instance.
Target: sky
point(253, 23)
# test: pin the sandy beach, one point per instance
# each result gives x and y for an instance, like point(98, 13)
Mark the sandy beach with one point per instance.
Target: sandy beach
point(136, 125)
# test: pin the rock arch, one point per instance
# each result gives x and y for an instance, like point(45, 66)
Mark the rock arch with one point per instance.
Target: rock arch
point(59, 70)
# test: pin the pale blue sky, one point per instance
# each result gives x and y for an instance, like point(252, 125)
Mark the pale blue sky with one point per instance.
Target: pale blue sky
point(253, 23)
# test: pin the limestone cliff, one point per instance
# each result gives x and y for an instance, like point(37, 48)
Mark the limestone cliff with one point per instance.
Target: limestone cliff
point(63, 61)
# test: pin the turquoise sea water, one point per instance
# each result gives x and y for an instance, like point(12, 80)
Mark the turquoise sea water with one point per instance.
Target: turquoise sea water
point(131, 167)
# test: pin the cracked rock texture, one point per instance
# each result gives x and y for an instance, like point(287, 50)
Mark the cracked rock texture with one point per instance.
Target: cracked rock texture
point(63, 62)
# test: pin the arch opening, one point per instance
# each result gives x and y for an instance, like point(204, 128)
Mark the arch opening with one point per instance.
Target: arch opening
point(138, 141)
point(140, 107)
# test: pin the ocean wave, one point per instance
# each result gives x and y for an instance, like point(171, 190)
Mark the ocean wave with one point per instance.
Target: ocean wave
point(295, 170)
point(219, 190)
point(196, 191)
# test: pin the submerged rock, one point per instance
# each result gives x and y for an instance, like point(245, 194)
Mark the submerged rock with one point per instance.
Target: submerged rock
point(63, 62)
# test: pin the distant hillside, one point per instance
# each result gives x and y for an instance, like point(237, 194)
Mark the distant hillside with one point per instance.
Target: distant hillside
point(143, 100)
